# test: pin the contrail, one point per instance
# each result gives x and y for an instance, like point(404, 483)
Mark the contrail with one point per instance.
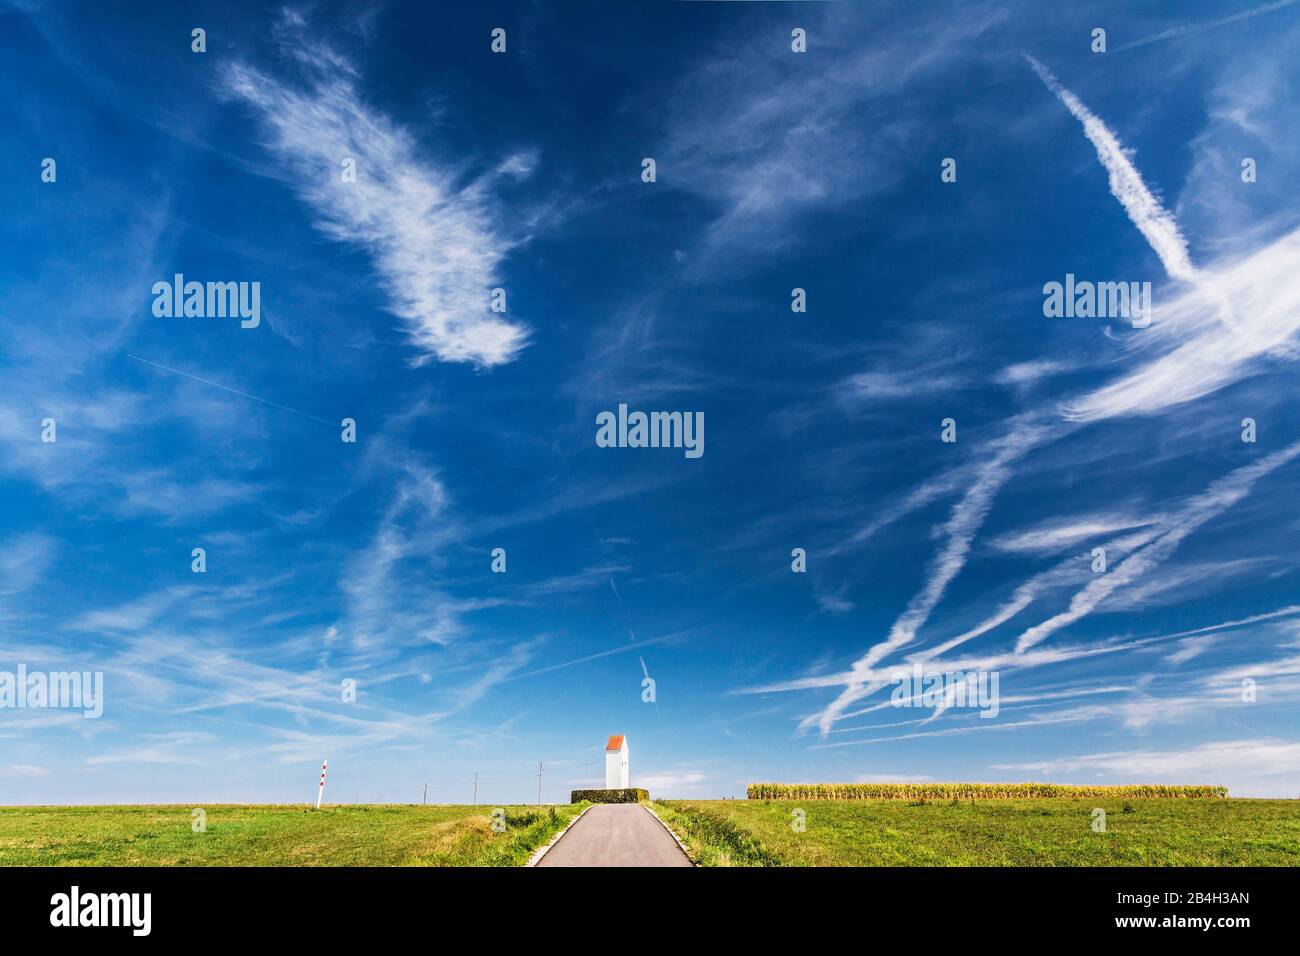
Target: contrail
point(1206, 25)
point(964, 522)
point(1214, 501)
point(264, 401)
point(1155, 222)
point(592, 657)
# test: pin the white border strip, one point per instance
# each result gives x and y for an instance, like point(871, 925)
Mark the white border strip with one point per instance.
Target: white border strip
point(680, 845)
point(537, 857)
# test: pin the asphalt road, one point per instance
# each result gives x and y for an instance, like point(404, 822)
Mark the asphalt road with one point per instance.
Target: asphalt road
point(616, 834)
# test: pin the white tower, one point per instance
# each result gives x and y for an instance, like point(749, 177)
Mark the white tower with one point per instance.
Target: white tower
point(616, 763)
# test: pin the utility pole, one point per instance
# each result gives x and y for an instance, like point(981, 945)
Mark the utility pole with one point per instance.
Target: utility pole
point(426, 793)
point(539, 783)
point(476, 788)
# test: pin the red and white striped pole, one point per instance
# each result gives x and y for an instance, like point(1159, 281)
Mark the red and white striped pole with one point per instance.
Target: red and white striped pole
point(321, 792)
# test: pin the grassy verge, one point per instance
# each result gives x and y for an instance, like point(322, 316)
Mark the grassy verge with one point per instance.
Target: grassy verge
point(712, 839)
point(244, 835)
point(1014, 832)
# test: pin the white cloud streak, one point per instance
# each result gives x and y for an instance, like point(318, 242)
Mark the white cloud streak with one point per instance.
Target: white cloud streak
point(433, 242)
point(1066, 533)
point(965, 521)
point(1208, 353)
point(1213, 346)
point(24, 559)
point(1155, 223)
point(1211, 351)
point(1205, 25)
point(1219, 497)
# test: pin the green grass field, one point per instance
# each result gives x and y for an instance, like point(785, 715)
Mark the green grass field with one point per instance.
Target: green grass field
point(1011, 832)
point(247, 835)
point(1005, 832)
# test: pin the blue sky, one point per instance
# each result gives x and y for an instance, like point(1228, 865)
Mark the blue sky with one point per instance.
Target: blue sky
point(476, 429)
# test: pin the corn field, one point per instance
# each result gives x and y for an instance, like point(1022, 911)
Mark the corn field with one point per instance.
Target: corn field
point(965, 791)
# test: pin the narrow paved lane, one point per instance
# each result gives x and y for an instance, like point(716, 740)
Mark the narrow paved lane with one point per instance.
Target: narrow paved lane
point(616, 834)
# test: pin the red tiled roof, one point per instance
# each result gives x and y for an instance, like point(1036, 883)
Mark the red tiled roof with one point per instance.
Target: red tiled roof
point(615, 743)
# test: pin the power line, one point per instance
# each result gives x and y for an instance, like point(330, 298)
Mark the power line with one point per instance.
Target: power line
point(395, 792)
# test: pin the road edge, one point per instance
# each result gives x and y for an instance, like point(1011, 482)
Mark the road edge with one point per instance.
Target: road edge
point(680, 845)
point(537, 856)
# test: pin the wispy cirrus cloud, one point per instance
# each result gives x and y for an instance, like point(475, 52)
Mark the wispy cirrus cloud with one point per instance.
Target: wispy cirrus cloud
point(1065, 533)
point(872, 386)
point(19, 771)
point(180, 747)
point(1204, 353)
point(673, 781)
point(24, 559)
point(1189, 648)
point(795, 140)
point(1025, 374)
point(433, 241)
point(389, 604)
point(135, 615)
